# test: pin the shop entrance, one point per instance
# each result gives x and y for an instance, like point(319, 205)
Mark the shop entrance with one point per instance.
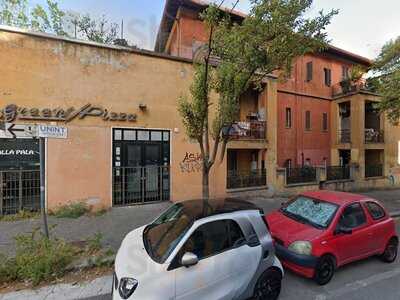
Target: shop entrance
point(141, 166)
point(19, 176)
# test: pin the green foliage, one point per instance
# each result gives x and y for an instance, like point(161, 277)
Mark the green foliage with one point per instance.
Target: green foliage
point(386, 79)
point(98, 30)
point(194, 112)
point(37, 259)
point(72, 211)
point(52, 19)
point(94, 243)
point(21, 215)
point(18, 13)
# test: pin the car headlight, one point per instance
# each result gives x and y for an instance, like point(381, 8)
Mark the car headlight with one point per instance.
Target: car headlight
point(126, 287)
point(301, 247)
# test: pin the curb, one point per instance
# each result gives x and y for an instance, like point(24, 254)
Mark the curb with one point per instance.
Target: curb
point(97, 287)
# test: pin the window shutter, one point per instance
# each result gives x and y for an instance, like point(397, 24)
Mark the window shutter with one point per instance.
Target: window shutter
point(309, 71)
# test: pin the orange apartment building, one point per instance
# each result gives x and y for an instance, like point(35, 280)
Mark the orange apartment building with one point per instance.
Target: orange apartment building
point(304, 101)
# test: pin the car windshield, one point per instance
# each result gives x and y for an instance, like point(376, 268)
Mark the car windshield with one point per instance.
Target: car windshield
point(310, 211)
point(161, 237)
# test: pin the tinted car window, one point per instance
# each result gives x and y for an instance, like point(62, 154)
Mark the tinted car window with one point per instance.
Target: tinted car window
point(353, 216)
point(375, 210)
point(236, 234)
point(213, 238)
point(209, 239)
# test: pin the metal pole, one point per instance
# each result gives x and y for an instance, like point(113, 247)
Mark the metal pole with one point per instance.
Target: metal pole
point(42, 146)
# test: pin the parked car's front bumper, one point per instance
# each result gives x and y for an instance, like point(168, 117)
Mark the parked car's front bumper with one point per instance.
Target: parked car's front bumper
point(302, 264)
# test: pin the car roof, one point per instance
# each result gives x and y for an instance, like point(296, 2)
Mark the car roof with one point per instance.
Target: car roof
point(199, 209)
point(339, 198)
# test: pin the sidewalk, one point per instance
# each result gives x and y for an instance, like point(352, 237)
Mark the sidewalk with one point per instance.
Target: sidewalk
point(99, 286)
point(115, 224)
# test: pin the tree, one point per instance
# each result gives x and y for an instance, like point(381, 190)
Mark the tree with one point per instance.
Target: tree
point(17, 13)
point(98, 30)
point(52, 19)
point(386, 79)
point(267, 40)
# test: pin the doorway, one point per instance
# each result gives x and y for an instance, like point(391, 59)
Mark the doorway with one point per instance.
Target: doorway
point(141, 166)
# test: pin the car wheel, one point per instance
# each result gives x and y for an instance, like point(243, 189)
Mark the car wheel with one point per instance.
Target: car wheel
point(324, 270)
point(391, 250)
point(268, 286)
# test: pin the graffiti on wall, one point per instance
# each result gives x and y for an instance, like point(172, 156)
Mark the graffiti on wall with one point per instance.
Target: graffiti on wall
point(193, 162)
point(394, 175)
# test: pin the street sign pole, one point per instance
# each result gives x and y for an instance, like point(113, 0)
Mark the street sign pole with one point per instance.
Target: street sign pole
point(42, 146)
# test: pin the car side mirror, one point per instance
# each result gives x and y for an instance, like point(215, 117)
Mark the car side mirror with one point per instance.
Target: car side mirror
point(343, 230)
point(189, 259)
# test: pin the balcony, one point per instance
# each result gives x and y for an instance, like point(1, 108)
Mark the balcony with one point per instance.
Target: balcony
point(374, 136)
point(375, 170)
point(344, 136)
point(246, 179)
point(248, 130)
point(347, 87)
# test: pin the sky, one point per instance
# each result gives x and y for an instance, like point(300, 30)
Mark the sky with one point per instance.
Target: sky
point(362, 26)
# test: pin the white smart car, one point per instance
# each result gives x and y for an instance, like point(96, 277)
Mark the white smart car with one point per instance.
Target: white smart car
point(214, 250)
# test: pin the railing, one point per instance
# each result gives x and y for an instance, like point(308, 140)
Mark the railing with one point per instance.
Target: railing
point(337, 173)
point(344, 136)
point(304, 174)
point(347, 87)
point(248, 130)
point(373, 136)
point(374, 170)
point(246, 179)
point(19, 190)
point(138, 185)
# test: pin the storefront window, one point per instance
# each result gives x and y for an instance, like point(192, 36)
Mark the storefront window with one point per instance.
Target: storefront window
point(129, 135)
point(117, 135)
point(143, 135)
point(156, 136)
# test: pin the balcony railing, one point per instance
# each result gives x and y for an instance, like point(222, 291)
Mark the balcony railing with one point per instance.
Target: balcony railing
point(374, 136)
point(344, 136)
point(348, 87)
point(246, 179)
point(374, 170)
point(306, 174)
point(253, 130)
point(337, 173)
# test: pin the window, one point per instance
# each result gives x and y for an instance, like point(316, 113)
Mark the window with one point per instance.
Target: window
point(309, 71)
point(328, 76)
point(213, 238)
point(324, 122)
point(308, 120)
point(353, 216)
point(288, 117)
point(288, 164)
point(345, 72)
point(375, 210)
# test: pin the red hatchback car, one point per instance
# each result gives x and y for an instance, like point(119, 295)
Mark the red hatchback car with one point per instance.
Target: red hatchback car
point(316, 232)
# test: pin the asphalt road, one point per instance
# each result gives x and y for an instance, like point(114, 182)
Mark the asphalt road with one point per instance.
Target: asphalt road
point(370, 279)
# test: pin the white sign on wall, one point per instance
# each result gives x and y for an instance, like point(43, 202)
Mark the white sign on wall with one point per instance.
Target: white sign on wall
point(50, 131)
